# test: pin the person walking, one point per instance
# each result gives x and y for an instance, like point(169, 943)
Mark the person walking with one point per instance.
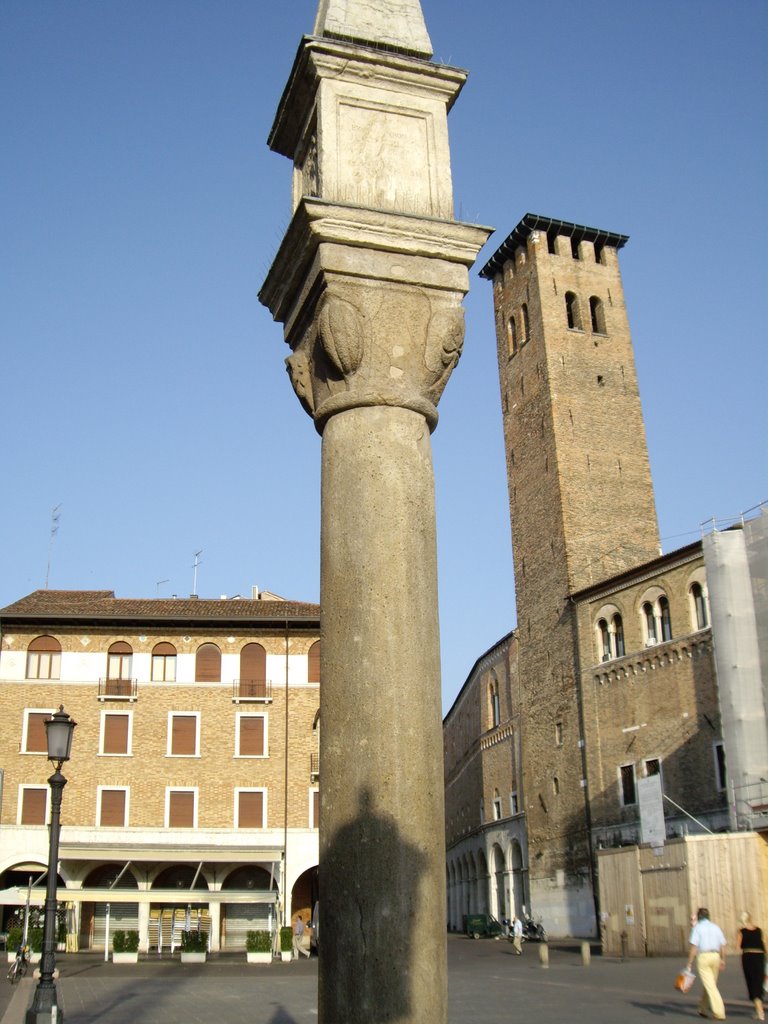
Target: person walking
point(752, 946)
point(517, 935)
point(707, 945)
point(298, 939)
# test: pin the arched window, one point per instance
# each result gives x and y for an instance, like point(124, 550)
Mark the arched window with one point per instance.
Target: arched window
point(253, 671)
point(164, 663)
point(700, 612)
point(573, 315)
point(666, 620)
point(511, 336)
point(44, 658)
point(493, 695)
point(313, 668)
point(605, 640)
point(119, 660)
point(208, 664)
point(526, 324)
point(597, 315)
point(618, 636)
point(496, 805)
point(651, 635)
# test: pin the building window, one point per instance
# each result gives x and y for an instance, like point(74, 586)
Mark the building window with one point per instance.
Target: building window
point(181, 807)
point(44, 658)
point(253, 671)
point(611, 638)
point(666, 620)
point(526, 324)
point(605, 640)
point(493, 695)
point(33, 805)
point(33, 738)
point(250, 808)
point(111, 807)
point(511, 336)
point(164, 663)
point(208, 664)
point(700, 611)
point(514, 807)
point(649, 619)
point(597, 315)
point(116, 733)
point(558, 734)
point(313, 663)
point(183, 734)
point(652, 766)
point(572, 313)
point(314, 808)
point(721, 777)
point(496, 805)
point(618, 636)
point(250, 735)
point(628, 788)
point(119, 661)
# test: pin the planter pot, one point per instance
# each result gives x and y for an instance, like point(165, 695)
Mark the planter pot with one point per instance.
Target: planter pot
point(125, 958)
point(259, 958)
point(193, 958)
point(285, 957)
point(35, 958)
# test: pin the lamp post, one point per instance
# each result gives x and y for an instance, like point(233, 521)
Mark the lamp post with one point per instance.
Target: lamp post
point(44, 1008)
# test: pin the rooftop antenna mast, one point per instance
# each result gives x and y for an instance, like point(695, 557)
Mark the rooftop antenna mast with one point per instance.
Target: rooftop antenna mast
point(194, 578)
point(55, 516)
point(159, 584)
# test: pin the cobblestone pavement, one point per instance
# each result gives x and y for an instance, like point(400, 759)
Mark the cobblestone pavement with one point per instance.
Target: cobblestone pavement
point(486, 983)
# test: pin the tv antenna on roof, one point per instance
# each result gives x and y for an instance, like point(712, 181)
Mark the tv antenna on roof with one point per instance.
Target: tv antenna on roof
point(194, 578)
point(159, 584)
point(55, 516)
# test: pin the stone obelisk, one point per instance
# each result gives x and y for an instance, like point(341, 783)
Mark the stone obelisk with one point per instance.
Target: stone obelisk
point(368, 283)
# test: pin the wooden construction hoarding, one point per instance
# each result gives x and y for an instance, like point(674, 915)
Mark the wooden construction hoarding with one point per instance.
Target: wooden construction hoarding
point(647, 895)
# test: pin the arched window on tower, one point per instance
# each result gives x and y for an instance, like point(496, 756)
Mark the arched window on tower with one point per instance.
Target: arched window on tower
point(526, 324)
point(493, 695)
point(651, 635)
point(597, 315)
point(699, 603)
point(618, 636)
point(666, 620)
point(512, 336)
point(573, 315)
point(605, 640)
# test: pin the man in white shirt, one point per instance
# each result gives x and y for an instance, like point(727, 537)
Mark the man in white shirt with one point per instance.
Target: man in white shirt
point(707, 945)
point(517, 935)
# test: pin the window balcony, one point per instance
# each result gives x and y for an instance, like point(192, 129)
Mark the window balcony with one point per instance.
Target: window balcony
point(314, 767)
point(118, 689)
point(251, 691)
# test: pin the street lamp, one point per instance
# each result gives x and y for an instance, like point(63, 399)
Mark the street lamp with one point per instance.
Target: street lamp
point(44, 1008)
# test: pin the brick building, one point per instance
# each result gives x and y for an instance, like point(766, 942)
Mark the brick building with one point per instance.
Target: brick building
point(610, 675)
point(192, 791)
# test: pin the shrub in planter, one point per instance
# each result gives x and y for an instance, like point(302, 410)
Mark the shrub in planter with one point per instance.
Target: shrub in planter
point(258, 942)
point(36, 940)
point(125, 942)
point(194, 942)
point(286, 939)
point(14, 939)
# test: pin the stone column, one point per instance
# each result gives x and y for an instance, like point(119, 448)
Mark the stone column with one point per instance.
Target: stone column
point(368, 284)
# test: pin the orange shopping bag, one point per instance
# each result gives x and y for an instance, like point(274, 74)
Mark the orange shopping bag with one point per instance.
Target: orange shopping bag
point(684, 981)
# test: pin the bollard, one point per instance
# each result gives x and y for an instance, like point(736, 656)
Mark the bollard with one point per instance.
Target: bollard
point(624, 944)
point(544, 954)
point(586, 954)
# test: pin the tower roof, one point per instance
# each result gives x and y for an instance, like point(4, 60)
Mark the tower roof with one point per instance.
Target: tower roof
point(387, 24)
point(550, 226)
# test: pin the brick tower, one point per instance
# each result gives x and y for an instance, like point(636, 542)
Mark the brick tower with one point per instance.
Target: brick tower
point(581, 507)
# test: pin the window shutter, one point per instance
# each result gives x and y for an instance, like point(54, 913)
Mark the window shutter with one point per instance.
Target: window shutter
point(181, 809)
point(184, 735)
point(36, 741)
point(250, 810)
point(251, 737)
point(116, 734)
point(33, 806)
point(313, 669)
point(253, 664)
point(208, 664)
point(112, 807)
point(45, 643)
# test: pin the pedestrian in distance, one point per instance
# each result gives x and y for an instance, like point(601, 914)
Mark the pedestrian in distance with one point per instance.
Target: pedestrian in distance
point(298, 938)
point(752, 946)
point(517, 935)
point(707, 946)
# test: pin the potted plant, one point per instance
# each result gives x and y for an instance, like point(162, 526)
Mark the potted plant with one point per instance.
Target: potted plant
point(258, 947)
point(61, 934)
point(125, 947)
point(35, 940)
point(14, 941)
point(194, 946)
point(286, 943)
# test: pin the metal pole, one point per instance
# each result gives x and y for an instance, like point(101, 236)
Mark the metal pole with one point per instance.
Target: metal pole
point(44, 1008)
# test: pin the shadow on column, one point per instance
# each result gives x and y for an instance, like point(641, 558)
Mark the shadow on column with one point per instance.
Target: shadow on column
point(369, 884)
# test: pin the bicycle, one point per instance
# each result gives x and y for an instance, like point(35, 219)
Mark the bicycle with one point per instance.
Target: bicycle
point(19, 966)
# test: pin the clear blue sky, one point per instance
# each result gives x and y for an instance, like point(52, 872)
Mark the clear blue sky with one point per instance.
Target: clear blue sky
point(143, 385)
